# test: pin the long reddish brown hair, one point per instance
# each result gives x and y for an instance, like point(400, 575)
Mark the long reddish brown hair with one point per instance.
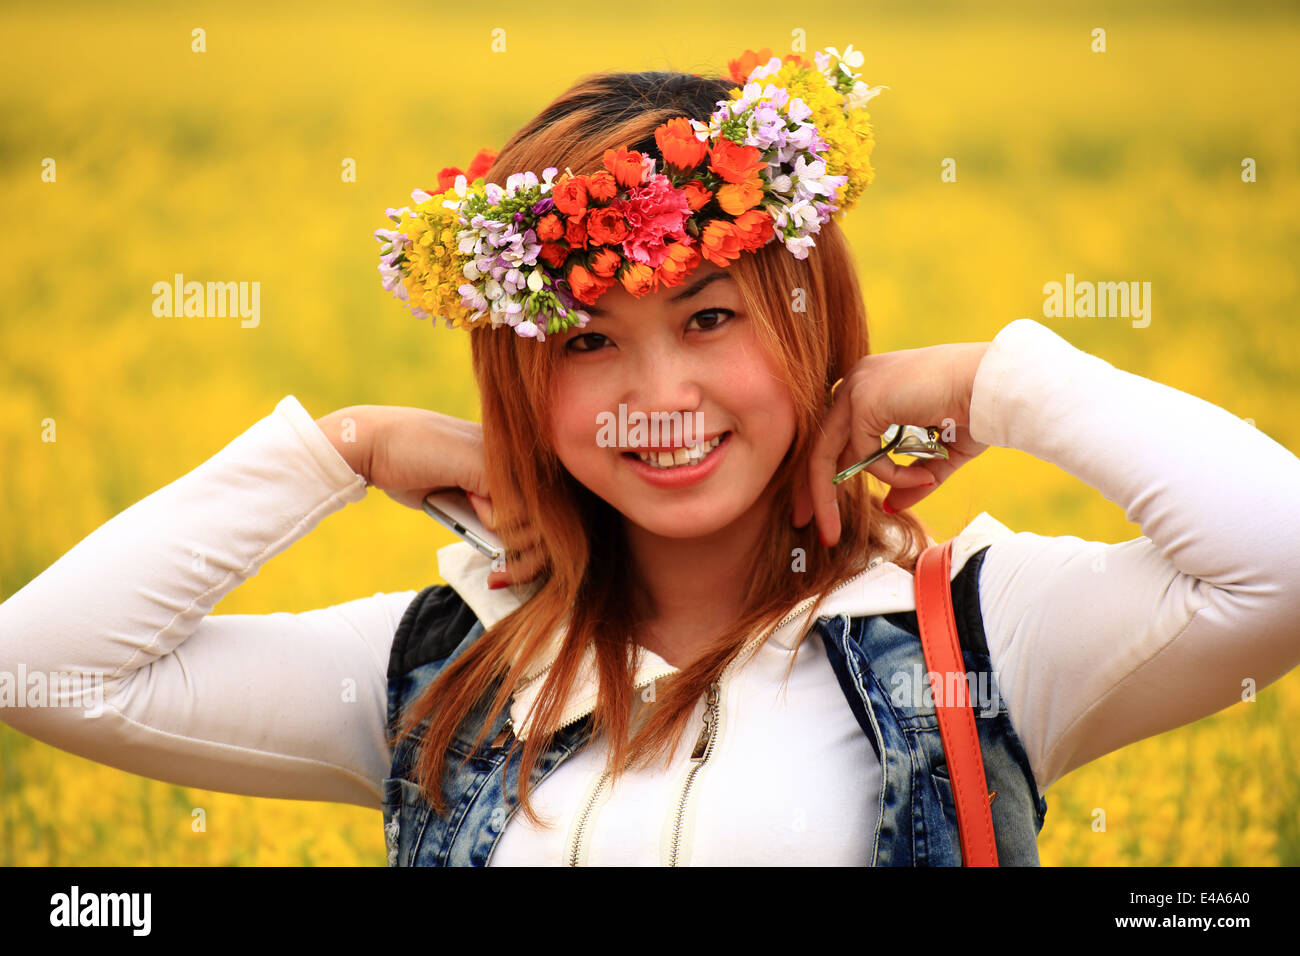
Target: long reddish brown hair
point(585, 584)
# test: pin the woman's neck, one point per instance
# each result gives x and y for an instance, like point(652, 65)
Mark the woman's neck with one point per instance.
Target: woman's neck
point(690, 589)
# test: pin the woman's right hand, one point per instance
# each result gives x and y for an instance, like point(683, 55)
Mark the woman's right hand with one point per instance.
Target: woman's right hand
point(408, 452)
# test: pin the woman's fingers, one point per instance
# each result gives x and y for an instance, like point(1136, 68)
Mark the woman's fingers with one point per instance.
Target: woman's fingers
point(483, 508)
point(519, 568)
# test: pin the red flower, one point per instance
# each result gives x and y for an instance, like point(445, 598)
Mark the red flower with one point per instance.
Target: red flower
point(606, 227)
point(570, 195)
point(575, 234)
point(678, 144)
point(627, 165)
point(481, 163)
point(587, 288)
point(754, 228)
point(605, 263)
point(678, 264)
point(602, 186)
point(696, 195)
point(742, 67)
point(554, 254)
point(478, 166)
point(733, 162)
point(550, 228)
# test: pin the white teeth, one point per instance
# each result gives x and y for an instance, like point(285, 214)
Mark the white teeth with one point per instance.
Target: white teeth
point(690, 455)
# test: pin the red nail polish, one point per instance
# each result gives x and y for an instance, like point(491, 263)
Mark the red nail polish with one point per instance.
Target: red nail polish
point(496, 584)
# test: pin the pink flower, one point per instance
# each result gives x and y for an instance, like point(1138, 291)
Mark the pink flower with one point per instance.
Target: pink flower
point(655, 212)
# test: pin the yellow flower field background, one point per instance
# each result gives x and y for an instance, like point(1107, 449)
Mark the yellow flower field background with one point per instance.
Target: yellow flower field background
point(226, 165)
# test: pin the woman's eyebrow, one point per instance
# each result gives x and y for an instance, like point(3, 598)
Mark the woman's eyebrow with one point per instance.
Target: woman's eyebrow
point(695, 288)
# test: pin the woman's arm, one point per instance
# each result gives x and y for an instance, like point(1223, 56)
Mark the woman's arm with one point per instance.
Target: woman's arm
point(274, 705)
point(1097, 646)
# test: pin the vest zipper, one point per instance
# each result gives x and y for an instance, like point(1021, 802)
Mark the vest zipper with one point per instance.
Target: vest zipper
point(703, 750)
point(704, 743)
point(502, 737)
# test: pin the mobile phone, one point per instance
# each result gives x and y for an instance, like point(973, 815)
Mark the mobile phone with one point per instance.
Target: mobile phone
point(452, 509)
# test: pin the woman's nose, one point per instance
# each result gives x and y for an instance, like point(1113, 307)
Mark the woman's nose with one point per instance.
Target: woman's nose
point(667, 383)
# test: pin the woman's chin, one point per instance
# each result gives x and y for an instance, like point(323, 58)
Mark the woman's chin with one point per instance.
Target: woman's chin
point(678, 522)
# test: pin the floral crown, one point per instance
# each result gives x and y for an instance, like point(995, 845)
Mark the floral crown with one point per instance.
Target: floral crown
point(775, 161)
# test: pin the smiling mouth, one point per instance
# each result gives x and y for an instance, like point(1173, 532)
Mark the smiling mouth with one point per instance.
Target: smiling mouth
point(681, 457)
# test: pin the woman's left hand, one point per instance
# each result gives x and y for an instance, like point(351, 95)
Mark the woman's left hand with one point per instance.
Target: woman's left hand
point(925, 386)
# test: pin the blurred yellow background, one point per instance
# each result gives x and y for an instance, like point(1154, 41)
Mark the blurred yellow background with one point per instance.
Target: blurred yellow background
point(226, 165)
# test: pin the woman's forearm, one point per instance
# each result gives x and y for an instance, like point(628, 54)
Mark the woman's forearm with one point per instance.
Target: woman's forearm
point(1101, 645)
point(247, 703)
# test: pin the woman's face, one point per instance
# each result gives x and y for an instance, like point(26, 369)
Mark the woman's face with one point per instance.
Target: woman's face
point(687, 349)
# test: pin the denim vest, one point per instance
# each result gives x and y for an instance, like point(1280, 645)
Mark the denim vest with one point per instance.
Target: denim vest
point(876, 660)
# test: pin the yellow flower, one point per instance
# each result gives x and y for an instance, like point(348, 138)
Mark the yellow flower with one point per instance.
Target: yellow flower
point(848, 135)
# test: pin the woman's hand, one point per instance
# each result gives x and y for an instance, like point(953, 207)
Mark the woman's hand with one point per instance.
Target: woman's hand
point(409, 452)
point(926, 386)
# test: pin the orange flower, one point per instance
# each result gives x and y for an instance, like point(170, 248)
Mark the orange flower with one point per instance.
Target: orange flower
point(741, 68)
point(587, 288)
point(638, 278)
point(570, 195)
point(678, 264)
point(735, 198)
point(554, 253)
point(606, 227)
point(601, 186)
point(720, 243)
point(696, 195)
point(481, 163)
point(478, 166)
point(605, 263)
point(446, 179)
point(754, 228)
point(549, 228)
point(627, 165)
point(733, 162)
point(575, 233)
point(678, 144)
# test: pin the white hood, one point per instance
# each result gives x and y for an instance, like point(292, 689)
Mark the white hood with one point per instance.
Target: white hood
point(885, 588)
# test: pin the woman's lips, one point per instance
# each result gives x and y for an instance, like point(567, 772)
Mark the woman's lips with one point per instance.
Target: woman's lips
point(681, 475)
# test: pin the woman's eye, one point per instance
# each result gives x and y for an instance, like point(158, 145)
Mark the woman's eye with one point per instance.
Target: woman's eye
point(569, 346)
point(713, 324)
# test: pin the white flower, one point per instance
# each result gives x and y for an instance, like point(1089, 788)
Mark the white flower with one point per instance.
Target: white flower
point(799, 246)
point(767, 69)
point(470, 271)
point(852, 57)
point(861, 94)
point(492, 289)
point(419, 195)
point(535, 281)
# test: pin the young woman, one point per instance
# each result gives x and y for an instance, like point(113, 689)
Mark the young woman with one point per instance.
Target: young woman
point(630, 680)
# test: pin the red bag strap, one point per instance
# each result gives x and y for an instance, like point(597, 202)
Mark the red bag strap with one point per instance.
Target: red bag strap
point(961, 746)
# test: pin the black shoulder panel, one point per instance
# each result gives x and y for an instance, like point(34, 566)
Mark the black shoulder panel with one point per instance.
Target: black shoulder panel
point(965, 607)
point(966, 603)
point(435, 622)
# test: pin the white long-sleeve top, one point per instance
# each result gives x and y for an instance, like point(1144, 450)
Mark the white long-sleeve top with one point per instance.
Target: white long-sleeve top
point(1094, 645)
